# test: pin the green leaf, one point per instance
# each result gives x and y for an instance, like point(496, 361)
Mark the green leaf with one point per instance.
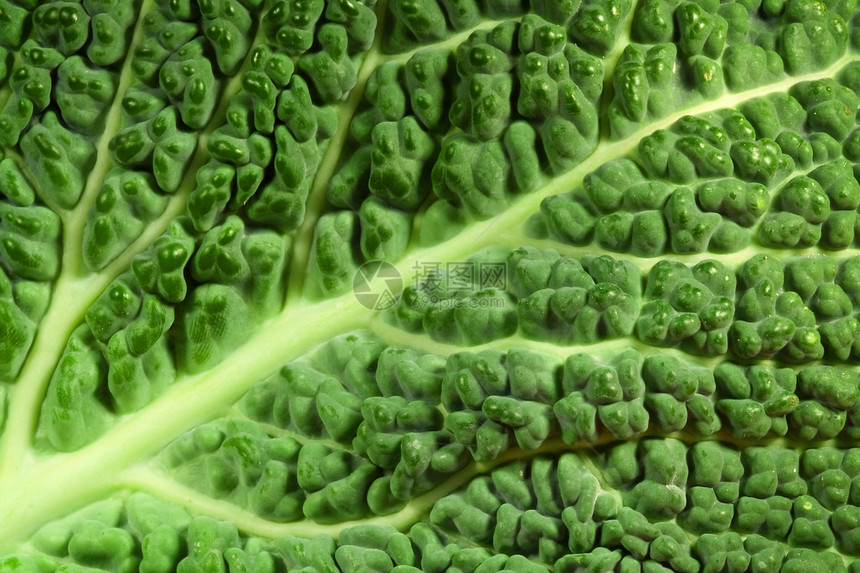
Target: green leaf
point(371, 285)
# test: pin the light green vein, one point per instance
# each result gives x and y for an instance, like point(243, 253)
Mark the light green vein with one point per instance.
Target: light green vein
point(75, 291)
point(316, 202)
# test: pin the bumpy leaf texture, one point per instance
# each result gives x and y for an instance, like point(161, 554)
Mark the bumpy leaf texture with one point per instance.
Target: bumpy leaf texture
point(429, 285)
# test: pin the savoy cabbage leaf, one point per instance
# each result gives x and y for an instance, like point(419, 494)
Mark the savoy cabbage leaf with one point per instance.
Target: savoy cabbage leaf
point(420, 285)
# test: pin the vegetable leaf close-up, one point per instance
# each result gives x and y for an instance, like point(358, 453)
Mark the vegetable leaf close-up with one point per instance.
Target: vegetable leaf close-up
point(464, 286)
